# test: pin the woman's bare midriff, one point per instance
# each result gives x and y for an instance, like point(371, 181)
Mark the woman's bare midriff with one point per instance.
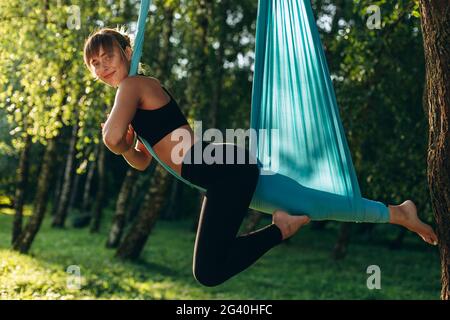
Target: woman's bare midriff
point(164, 147)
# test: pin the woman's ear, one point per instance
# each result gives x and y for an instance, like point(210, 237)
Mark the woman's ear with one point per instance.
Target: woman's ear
point(128, 53)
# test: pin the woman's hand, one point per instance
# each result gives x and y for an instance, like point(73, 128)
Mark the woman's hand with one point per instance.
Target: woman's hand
point(130, 137)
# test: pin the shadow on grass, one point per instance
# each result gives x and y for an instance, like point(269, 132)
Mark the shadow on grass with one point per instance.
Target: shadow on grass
point(147, 266)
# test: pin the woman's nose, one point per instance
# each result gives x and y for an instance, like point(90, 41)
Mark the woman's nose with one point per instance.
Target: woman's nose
point(104, 70)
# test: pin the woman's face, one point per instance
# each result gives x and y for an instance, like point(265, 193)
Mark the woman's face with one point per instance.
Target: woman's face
point(110, 67)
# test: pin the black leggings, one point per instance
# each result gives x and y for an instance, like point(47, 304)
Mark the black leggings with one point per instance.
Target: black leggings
point(218, 253)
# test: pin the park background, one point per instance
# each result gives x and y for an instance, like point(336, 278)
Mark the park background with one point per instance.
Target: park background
point(77, 222)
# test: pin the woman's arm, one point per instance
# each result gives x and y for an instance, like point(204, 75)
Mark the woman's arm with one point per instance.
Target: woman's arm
point(115, 129)
point(138, 157)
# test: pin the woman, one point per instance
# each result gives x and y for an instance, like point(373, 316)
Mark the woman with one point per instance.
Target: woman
point(142, 104)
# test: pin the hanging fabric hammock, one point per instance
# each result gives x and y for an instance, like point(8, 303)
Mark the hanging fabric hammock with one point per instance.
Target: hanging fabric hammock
point(306, 166)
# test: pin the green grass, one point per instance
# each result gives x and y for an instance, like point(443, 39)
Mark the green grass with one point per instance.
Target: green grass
point(299, 269)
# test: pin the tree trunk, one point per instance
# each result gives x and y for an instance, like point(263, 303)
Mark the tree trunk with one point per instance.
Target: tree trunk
point(435, 17)
point(171, 210)
point(98, 207)
point(198, 88)
point(84, 215)
point(219, 67)
point(119, 220)
point(139, 232)
point(85, 206)
point(74, 193)
point(340, 249)
point(164, 53)
point(139, 191)
point(60, 160)
point(22, 180)
point(25, 239)
point(57, 190)
point(63, 203)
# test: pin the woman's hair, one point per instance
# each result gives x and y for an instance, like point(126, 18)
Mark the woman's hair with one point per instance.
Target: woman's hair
point(105, 38)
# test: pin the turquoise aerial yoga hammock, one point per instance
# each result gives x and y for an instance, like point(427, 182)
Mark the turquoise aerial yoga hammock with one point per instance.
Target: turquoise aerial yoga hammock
point(305, 162)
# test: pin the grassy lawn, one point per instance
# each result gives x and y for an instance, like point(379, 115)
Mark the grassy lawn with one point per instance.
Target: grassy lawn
point(298, 269)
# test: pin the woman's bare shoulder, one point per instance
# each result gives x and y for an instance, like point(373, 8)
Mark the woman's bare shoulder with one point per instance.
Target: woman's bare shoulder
point(147, 81)
point(151, 92)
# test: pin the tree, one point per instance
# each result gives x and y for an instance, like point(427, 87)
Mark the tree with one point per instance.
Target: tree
point(85, 203)
point(123, 199)
point(40, 102)
point(100, 197)
point(26, 237)
point(31, 97)
point(155, 198)
point(67, 185)
point(436, 36)
point(22, 179)
point(379, 98)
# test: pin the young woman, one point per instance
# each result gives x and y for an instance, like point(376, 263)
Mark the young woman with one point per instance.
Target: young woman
point(144, 106)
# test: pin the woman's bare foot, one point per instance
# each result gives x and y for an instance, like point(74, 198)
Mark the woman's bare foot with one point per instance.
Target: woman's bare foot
point(405, 215)
point(287, 223)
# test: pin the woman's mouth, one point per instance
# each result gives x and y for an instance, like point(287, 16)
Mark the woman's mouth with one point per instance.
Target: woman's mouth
point(109, 75)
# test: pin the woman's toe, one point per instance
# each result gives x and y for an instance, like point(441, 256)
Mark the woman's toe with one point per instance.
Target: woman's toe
point(305, 219)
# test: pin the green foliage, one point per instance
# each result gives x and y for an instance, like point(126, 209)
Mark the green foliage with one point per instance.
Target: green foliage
point(379, 79)
point(45, 88)
point(46, 85)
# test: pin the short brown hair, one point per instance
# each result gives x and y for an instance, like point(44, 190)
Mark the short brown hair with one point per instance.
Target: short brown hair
point(105, 38)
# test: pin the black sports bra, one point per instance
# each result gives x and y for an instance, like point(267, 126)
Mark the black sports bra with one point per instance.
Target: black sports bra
point(153, 125)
